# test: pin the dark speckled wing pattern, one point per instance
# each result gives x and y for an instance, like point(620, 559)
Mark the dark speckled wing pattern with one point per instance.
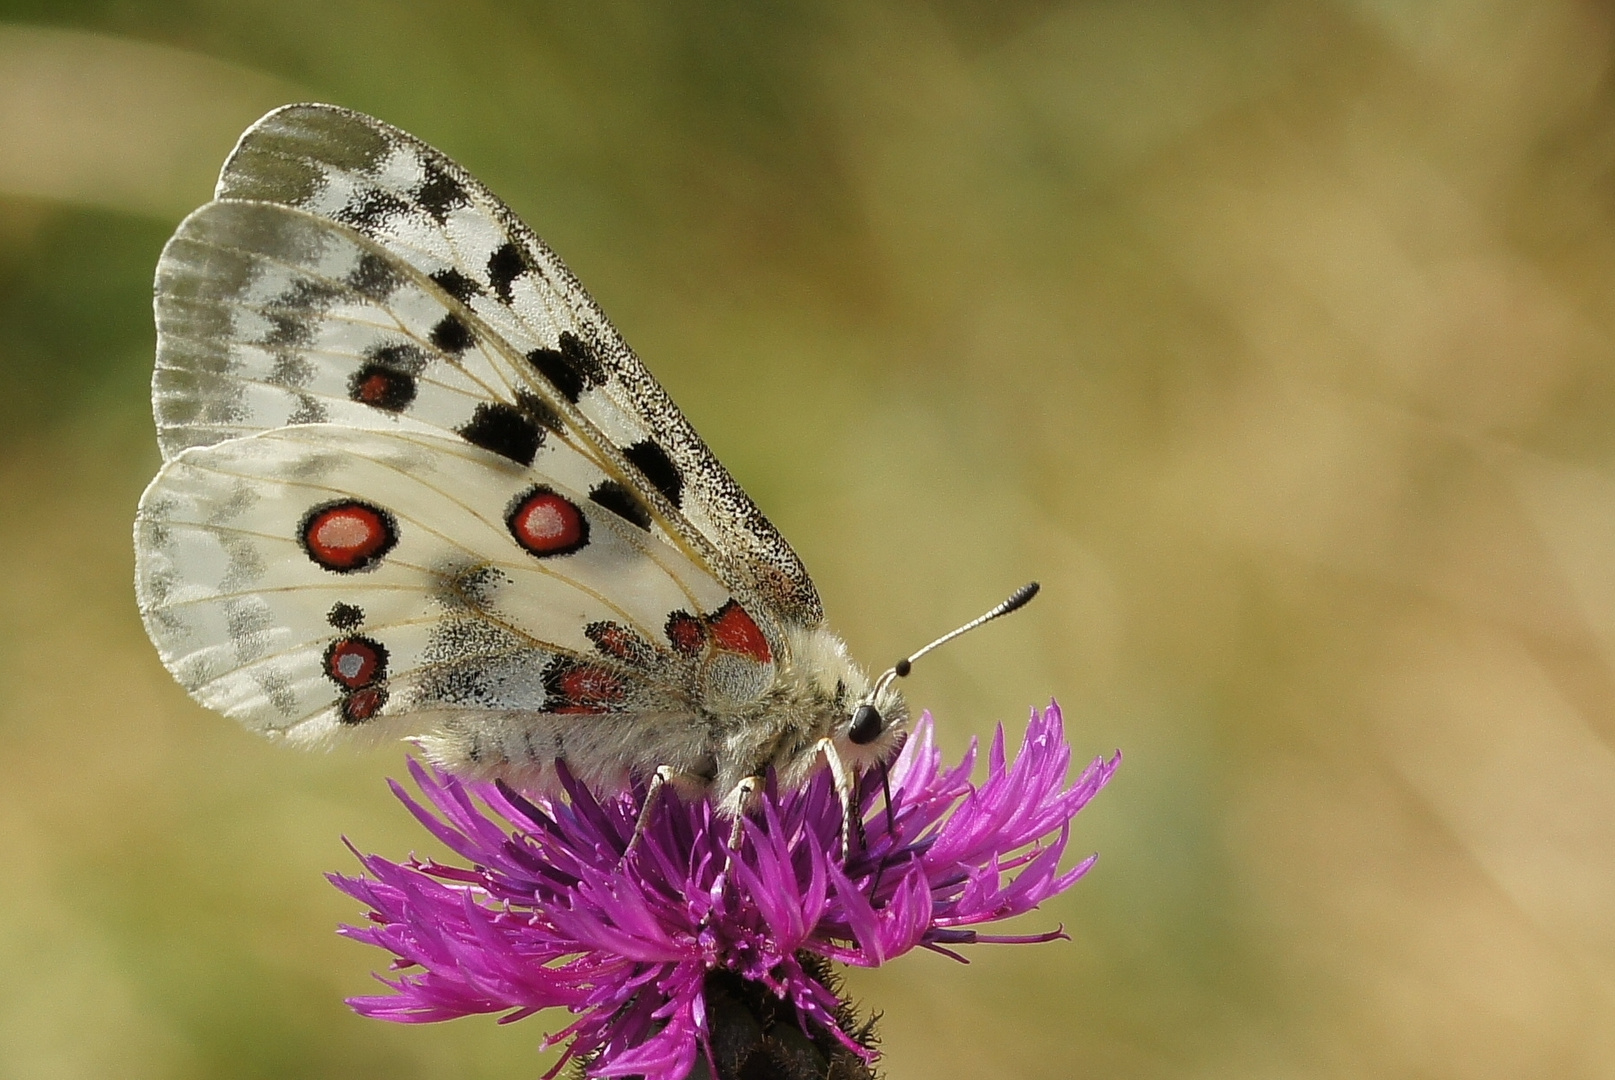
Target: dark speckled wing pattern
point(413, 477)
point(416, 204)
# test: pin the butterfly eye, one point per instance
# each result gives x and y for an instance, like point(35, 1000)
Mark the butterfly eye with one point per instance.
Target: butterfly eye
point(866, 725)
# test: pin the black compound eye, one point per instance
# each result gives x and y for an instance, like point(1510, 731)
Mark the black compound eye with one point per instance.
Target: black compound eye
point(866, 725)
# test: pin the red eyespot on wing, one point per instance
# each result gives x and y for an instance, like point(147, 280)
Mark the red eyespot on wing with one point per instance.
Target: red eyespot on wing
point(361, 705)
point(356, 661)
point(620, 643)
point(347, 535)
point(582, 688)
point(383, 386)
point(375, 389)
point(686, 633)
point(588, 685)
point(546, 524)
point(734, 631)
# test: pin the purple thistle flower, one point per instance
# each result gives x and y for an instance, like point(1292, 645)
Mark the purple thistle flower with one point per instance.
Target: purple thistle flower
point(551, 913)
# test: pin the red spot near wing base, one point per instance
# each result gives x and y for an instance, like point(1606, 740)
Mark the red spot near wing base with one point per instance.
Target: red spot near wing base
point(583, 688)
point(585, 685)
point(686, 633)
point(620, 643)
point(361, 705)
point(734, 631)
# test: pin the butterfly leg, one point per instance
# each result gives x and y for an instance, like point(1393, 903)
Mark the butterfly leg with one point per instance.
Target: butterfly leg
point(658, 780)
point(737, 802)
point(843, 783)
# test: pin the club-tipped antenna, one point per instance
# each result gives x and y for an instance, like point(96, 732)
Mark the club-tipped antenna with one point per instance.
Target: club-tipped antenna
point(1016, 600)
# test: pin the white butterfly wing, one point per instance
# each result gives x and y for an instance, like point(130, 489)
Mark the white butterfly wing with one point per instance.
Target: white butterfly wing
point(333, 363)
point(283, 599)
point(451, 233)
point(267, 316)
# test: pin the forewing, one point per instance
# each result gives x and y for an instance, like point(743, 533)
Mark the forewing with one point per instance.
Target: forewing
point(312, 580)
point(268, 316)
point(418, 206)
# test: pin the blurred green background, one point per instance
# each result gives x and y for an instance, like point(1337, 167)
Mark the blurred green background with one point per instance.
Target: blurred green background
point(1275, 338)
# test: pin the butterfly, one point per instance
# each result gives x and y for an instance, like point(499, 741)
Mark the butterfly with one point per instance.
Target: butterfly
point(415, 484)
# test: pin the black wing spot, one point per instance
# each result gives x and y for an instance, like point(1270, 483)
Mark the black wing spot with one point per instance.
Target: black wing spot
point(622, 502)
point(621, 643)
point(287, 331)
point(581, 355)
point(686, 633)
point(456, 284)
point(571, 369)
point(373, 277)
point(371, 210)
point(310, 410)
point(652, 460)
point(504, 267)
point(382, 387)
point(561, 375)
point(452, 335)
point(440, 193)
point(539, 409)
point(292, 314)
point(305, 295)
point(387, 379)
point(345, 616)
point(504, 429)
point(399, 356)
point(291, 371)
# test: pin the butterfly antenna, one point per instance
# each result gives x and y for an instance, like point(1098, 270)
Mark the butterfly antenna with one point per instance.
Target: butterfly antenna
point(1016, 600)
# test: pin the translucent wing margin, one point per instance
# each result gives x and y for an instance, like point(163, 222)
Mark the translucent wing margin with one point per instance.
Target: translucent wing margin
point(389, 188)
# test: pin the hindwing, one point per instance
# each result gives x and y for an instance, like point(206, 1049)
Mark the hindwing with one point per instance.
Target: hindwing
point(316, 579)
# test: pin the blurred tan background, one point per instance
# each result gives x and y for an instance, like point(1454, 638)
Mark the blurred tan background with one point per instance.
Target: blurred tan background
point(1276, 338)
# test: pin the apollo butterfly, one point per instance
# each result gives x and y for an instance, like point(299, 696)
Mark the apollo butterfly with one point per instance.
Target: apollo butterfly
point(415, 484)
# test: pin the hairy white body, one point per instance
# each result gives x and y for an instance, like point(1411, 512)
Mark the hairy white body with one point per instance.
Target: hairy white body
point(706, 753)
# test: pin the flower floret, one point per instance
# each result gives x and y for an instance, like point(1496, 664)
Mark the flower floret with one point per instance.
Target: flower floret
point(556, 911)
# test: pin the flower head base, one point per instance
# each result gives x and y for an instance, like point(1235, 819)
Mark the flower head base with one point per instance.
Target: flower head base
point(552, 913)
